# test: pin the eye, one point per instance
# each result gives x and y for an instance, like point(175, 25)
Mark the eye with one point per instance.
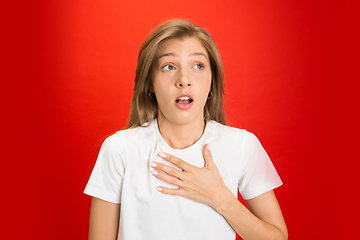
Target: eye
point(168, 67)
point(198, 66)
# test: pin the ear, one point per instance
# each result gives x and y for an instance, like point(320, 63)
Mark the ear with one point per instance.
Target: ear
point(151, 87)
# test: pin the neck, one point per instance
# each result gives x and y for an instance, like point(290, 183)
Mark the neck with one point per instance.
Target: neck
point(180, 136)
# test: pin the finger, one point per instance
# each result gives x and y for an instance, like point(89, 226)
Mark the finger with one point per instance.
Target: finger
point(177, 161)
point(167, 169)
point(167, 178)
point(177, 192)
point(209, 162)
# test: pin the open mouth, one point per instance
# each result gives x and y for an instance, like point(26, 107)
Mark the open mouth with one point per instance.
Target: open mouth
point(184, 100)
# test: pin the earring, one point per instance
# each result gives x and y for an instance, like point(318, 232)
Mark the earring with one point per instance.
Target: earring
point(209, 95)
point(152, 95)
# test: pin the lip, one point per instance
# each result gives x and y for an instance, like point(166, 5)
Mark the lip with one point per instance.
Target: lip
point(185, 95)
point(184, 106)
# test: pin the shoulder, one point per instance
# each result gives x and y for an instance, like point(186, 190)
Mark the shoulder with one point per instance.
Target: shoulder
point(234, 138)
point(125, 137)
point(233, 133)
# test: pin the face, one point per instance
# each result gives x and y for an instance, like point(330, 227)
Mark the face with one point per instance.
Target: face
point(181, 80)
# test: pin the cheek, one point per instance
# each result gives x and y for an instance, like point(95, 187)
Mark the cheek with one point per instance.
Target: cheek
point(204, 90)
point(160, 88)
point(163, 84)
point(207, 83)
point(163, 92)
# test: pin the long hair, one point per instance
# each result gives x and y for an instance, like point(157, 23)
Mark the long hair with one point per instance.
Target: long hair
point(143, 109)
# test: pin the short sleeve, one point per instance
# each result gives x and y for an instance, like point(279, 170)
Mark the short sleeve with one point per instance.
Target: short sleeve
point(260, 174)
point(106, 178)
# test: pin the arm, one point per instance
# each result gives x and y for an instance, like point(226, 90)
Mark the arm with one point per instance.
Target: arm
point(104, 220)
point(263, 221)
point(205, 185)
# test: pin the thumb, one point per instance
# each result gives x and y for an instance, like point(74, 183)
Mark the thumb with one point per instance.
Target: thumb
point(209, 163)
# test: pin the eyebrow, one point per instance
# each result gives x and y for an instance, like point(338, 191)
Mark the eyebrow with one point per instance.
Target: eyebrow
point(175, 55)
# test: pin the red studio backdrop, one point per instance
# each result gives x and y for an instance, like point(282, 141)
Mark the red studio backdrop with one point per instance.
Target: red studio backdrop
point(288, 75)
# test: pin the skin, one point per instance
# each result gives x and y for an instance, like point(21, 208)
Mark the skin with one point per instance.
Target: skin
point(182, 66)
point(104, 220)
point(263, 220)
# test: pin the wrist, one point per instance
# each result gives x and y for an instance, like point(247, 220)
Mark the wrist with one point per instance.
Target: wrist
point(224, 200)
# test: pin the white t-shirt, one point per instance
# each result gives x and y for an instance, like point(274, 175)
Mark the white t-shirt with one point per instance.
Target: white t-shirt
point(122, 175)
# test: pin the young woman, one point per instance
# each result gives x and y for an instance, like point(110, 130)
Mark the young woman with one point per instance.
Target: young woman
point(175, 171)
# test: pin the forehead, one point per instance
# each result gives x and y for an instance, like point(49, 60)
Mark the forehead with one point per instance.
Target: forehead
point(180, 46)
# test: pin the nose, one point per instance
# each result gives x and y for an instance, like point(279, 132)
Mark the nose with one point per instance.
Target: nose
point(183, 80)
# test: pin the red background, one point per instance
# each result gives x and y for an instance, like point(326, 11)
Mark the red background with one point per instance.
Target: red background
point(69, 73)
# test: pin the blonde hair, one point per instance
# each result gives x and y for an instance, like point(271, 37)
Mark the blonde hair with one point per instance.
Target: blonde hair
point(143, 109)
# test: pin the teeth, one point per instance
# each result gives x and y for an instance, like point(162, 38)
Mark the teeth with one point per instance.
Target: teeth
point(184, 98)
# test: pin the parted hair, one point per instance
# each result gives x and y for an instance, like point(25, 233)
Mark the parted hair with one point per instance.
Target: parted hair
point(143, 109)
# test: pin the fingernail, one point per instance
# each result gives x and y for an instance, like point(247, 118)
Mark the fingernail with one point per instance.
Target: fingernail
point(152, 164)
point(163, 155)
point(159, 189)
point(208, 146)
point(154, 172)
